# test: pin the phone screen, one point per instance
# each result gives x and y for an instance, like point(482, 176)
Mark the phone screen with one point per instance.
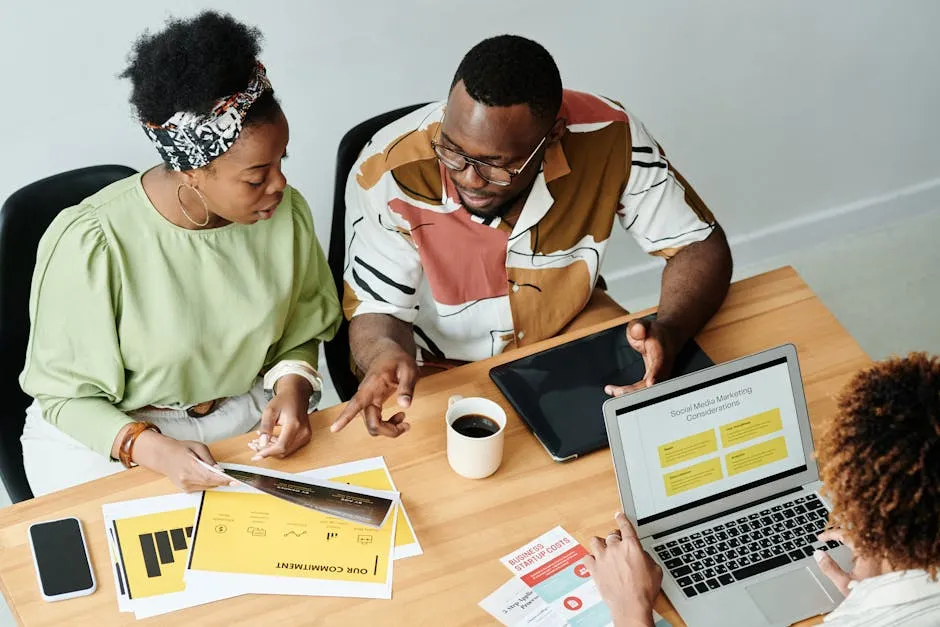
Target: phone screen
point(60, 557)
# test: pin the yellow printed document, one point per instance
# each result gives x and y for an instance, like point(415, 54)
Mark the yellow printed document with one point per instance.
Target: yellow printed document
point(154, 547)
point(149, 540)
point(373, 473)
point(246, 538)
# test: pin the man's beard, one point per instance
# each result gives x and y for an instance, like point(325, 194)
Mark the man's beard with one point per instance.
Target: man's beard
point(499, 211)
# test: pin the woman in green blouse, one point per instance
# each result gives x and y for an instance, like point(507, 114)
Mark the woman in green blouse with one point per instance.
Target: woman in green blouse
point(158, 303)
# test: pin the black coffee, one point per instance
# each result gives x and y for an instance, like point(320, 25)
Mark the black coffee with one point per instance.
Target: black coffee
point(475, 426)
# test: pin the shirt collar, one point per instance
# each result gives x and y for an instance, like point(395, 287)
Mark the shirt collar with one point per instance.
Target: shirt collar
point(555, 163)
point(897, 588)
point(540, 199)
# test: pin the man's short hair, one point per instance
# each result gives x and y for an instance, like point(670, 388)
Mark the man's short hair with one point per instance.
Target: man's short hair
point(880, 461)
point(508, 70)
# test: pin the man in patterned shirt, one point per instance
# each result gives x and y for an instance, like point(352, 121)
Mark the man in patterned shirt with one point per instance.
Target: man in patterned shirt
point(479, 224)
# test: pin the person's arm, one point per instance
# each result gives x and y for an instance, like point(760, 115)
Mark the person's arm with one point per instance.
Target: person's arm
point(383, 273)
point(313, 317)
point(626, 576)
point(694, 284)
point(384, 349)
point(668, 219)
point(371, 335)
point(74, 367)
point(314, 314)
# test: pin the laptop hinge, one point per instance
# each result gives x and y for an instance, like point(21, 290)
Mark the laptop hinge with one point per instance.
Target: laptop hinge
point(726, 512)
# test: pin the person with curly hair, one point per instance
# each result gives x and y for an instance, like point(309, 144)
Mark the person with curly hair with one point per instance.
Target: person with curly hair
point(178, 306)
point(879, 460)
point(479, 225)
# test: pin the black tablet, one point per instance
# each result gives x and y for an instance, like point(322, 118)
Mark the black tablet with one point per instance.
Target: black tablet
point(559, 393)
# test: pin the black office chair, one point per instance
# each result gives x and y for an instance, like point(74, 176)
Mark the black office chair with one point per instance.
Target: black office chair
point(24, 218)
point(337, 350)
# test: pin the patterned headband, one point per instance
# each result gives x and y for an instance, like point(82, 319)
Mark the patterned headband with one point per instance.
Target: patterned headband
point(189, 140)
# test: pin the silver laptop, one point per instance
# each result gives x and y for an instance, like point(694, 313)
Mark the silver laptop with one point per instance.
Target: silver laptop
point(716, 470)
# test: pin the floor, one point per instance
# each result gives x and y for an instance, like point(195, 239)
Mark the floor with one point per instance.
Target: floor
point(883, 286)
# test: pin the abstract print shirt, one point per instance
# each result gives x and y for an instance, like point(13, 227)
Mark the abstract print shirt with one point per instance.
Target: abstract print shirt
point(472, 287)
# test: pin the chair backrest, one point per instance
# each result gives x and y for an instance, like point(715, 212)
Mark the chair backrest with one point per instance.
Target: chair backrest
point(24, 218)
point(337, 350)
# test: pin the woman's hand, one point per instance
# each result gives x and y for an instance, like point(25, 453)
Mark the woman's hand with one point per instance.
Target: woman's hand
point(288, 410)
point(862, 567)
point(626, 577)
point(179, 461)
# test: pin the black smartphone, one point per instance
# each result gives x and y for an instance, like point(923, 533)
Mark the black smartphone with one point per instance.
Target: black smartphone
point(60, 555)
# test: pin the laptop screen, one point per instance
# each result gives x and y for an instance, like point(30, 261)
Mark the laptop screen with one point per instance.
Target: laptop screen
point(711, 440)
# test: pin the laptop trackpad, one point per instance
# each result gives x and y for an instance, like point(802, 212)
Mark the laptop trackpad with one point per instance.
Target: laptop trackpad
point(790, 597)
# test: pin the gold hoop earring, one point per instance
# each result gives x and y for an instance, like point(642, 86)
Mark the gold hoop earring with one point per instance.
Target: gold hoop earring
point(202, 199)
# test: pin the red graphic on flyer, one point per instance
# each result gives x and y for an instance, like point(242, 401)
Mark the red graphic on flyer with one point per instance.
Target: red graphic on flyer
point(554, 566)
point(573, 603)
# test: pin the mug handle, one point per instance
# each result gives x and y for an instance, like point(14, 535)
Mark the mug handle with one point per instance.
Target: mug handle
point(453, 399)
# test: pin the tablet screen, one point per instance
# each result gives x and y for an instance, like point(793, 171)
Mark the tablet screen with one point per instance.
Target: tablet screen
point(559, 392)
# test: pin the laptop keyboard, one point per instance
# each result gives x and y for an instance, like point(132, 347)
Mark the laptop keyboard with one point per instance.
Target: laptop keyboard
point(753, 544)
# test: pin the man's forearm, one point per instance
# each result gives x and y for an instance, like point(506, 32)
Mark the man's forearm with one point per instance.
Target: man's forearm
point(372, 334)
point(695, 283)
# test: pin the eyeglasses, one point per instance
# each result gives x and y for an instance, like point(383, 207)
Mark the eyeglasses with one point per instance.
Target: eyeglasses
point(497, 175)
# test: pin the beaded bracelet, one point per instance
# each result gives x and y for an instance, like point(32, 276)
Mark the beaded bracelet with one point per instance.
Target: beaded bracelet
point(126, 450)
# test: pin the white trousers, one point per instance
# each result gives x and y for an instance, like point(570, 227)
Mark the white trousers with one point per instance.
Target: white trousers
point(55, 460)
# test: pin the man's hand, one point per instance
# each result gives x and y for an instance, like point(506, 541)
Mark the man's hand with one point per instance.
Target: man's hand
point(657, 344)
point(288, 409)
point(392, 372)
point(627, 578)
point(694, 284)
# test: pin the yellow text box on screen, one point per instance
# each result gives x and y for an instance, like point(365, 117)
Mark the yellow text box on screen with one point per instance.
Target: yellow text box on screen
point(756, 456)
point(678, 451)
point(693, 477)
point(750, 428)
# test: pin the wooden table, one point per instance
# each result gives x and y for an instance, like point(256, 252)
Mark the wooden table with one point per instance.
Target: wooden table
point(463, 525)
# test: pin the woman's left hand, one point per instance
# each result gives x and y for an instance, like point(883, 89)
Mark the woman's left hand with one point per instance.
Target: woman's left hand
point(288, 410)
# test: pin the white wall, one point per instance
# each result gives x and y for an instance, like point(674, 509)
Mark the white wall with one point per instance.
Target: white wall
point(774, 110)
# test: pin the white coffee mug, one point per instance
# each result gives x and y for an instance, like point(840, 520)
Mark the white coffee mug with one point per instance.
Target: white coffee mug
point(474, 458)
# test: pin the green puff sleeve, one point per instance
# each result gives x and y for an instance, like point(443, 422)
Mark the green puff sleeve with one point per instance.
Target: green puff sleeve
point(314, 314)
point(74, 366)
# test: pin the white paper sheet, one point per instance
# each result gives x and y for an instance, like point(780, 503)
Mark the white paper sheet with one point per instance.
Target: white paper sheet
point(515, 603)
